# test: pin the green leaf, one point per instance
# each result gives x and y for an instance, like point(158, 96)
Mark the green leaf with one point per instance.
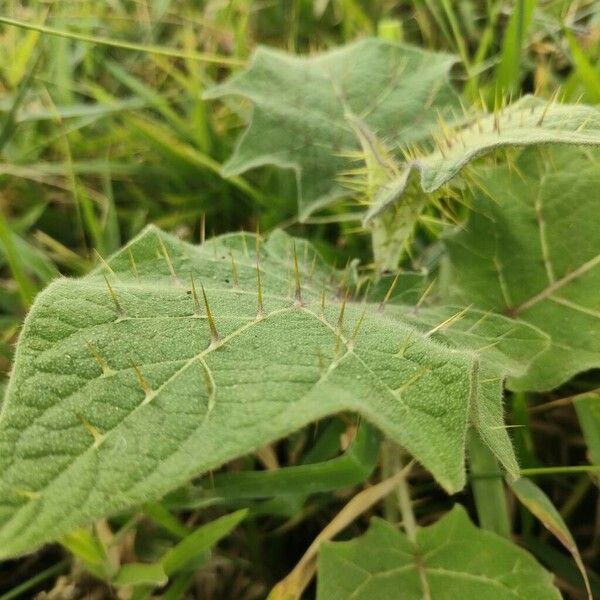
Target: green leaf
point(140, 574)
point(121, 393)
point(351, 468)
point(451, 559)
point(532, 251)
point(529, 121)
point(86, 546)
point(531, 496)
point(200, 540)
point(304, 109)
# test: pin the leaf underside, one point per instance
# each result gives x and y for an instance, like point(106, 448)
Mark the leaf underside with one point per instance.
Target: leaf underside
point(531, 250)
point(450, 559)
point(118, 395)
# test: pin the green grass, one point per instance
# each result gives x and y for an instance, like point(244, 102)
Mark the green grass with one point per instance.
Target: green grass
point(103, 130)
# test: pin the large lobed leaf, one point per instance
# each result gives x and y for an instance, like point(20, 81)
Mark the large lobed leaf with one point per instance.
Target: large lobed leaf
point(532, 251)
point(305, 109)
point(451, 559)
point(118, 395)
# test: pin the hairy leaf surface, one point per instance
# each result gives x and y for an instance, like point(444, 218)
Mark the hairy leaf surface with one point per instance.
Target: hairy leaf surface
point(532, 251)
point(120, 392)
point(451, 559)
point(306, 109)
point(529, 121)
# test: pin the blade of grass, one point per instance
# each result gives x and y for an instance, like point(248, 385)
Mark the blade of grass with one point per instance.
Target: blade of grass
point(124, 45)
point(584, 71)
point(27, 289)
point(9, 122)
point(536, 501)
point(140, 574)
point(199, 541)
point(508, 72)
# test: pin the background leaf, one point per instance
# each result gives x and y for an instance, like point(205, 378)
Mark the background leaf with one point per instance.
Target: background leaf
point(450, 559)
point(303, 109)
point(531, 251)
point(528, 122)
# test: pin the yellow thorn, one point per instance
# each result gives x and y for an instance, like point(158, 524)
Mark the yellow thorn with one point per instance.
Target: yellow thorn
point(413, 379)
point(120, 311)
point(132, 261)
point(260, 312)
point(357, 326)
point(340, 321)
point(313, 266)
point(389, 292)
point(214, 334)
point(209, 382)
point(141, 379)
point(404, 346)
point(298, 292)
point(106, 370)
point(244, 243)
point(234, 273)
point(323, 298)
point(167, 258)
point(91, 430)
point(202, 228)
point(449, 321)
point(550, 102)
point(197, 311)
point(425, 294)
point(104, 263)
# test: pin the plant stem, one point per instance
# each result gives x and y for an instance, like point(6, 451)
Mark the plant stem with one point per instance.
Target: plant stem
point(408, 516)
point(560, 470)
point(490, 499)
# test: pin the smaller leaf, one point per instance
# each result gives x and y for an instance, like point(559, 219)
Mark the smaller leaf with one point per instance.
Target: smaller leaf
point(541, 506)
point(450, 559)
